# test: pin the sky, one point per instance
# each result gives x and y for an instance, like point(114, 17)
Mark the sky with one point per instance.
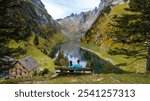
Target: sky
point(62, 8)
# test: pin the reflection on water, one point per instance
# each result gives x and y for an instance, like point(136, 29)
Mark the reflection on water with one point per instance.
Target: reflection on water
point(72, 51)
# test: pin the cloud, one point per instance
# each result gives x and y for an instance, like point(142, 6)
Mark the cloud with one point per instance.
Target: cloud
point(62, 8)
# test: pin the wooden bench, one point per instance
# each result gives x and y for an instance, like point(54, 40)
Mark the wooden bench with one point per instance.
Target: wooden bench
point(60, 70)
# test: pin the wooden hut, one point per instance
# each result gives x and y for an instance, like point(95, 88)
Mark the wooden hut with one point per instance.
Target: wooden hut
point(23, 68)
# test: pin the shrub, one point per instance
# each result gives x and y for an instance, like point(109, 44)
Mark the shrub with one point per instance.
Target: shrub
point(45, 71)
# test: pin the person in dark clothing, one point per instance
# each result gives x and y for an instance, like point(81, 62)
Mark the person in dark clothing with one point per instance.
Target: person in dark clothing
point(71, 66)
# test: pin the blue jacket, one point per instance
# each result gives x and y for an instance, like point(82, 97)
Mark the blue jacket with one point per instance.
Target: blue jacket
point(70, 66)
point(77, 66)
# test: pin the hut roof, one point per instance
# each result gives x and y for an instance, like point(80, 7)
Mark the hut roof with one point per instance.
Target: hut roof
point(29, 63)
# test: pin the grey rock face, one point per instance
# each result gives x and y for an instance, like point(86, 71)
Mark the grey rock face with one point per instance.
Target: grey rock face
point(78, 23)
point(82, 22)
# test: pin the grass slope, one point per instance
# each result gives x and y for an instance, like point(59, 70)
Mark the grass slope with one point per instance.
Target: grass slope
point(102, 79)
point(131, 78)
point(36, 51)
point(131, 64)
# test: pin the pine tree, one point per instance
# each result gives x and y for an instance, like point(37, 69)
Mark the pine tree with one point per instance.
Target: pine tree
point(135, 28)
point(36, 40)
point(61, 60)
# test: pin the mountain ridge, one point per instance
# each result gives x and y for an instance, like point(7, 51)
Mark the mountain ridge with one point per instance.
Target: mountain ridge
point(79, 23)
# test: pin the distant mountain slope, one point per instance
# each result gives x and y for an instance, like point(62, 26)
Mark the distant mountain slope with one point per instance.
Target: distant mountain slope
point(79, 23)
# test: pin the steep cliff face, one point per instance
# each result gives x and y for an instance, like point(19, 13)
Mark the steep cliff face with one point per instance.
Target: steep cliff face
point(79, 23)
point(22, 17)
point(100, 32)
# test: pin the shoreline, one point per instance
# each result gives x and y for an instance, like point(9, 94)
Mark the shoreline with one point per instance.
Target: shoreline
point(98, 54)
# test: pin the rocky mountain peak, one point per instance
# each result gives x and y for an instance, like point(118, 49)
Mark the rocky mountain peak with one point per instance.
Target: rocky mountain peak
point(72, 15)
point(39, 3)
point(76, 23)
point(96, 9)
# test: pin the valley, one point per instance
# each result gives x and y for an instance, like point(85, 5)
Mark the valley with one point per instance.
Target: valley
point(110, 39)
